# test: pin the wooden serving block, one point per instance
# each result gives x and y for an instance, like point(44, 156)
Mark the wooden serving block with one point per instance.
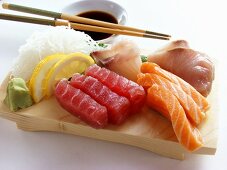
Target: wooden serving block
point(147, 129)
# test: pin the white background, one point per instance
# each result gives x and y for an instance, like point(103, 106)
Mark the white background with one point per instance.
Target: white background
point(202, 23)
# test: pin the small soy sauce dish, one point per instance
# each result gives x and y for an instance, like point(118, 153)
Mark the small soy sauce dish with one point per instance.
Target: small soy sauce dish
point(103, 10)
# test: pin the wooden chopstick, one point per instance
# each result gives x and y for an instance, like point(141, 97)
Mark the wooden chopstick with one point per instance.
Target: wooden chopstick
point(78, 19)
point(76, 26)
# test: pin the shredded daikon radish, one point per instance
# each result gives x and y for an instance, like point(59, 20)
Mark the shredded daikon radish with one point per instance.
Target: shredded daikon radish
point(51, 41)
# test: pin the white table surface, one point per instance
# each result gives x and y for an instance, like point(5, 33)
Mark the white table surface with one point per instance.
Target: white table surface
point(202, 23)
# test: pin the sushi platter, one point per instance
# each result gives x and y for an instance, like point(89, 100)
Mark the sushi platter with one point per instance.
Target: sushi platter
point(164, 101)
point(137, 132)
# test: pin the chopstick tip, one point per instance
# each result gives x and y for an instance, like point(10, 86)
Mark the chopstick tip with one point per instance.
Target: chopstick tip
point(5, 5)
point(156, 37)
point(158, 34)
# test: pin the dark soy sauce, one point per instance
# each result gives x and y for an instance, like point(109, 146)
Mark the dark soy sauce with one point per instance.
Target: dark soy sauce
point(102, 16)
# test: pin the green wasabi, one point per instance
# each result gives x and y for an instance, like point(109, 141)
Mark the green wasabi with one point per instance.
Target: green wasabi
point(18, 96)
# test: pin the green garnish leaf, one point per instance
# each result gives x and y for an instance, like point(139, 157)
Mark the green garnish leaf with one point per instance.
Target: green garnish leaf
point(143, 58)
point(102, 45)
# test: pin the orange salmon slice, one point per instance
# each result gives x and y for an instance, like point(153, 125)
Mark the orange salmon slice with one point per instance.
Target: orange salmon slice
point(201, 101)
point(193, 112)
point(162, 100)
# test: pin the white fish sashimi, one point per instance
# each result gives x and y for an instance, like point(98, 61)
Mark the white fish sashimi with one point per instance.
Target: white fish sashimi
point(123, 58)
point(194, 67)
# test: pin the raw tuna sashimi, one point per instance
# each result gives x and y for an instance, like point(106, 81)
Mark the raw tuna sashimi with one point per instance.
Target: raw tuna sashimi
point(162, 100)
point(193, 112)
point(81, 105)
point(117, 106)
point(200, 100)
point(120, 85)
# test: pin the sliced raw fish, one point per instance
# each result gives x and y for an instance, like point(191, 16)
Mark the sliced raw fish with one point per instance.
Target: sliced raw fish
point(194, 67)
point(123, 58)
point(162, 100)
point(117, 106)
point(81, 105)
point(120, 85)
point(149, 67)
point(192, 110)
point(173, 45)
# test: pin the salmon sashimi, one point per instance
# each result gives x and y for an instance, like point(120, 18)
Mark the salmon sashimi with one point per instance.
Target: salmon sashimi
point(81, 105)
point(193, 112)
point(120, 85)
point(161, 99)
point(117, 106)
point(200, 100)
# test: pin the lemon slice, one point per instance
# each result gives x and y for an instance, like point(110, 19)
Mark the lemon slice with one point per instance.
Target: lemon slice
point(36, 81)
point(65, 68)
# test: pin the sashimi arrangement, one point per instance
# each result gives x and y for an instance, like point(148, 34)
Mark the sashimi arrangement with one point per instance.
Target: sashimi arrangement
point(107, 85)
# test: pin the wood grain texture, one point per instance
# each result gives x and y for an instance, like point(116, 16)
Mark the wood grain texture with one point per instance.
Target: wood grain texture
point(147, 129)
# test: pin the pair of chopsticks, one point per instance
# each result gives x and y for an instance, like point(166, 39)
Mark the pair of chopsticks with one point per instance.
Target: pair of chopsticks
point(76, 22)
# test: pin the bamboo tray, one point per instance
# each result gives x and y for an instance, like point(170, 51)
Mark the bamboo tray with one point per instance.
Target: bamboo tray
point(147, 130)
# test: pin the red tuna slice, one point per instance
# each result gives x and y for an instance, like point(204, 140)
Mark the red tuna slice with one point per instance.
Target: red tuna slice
point(81, 105)
point(117, 106)
point(120, 85)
